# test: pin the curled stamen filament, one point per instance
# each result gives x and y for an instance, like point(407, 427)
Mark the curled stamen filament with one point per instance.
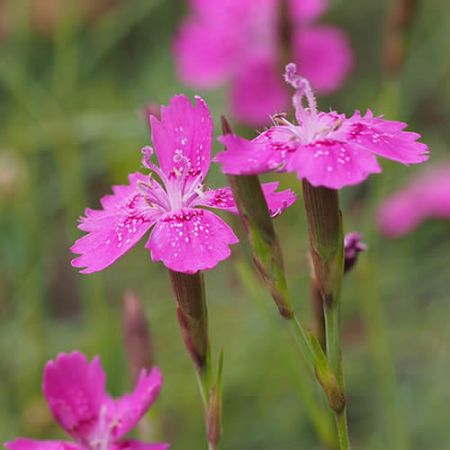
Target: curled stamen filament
point(303, 89)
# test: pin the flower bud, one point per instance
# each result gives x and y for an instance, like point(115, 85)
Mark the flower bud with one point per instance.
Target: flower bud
point(353, 245)
point(136, 335)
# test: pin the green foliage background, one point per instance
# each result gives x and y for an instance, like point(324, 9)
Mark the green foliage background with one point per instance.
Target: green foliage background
point(72, 124)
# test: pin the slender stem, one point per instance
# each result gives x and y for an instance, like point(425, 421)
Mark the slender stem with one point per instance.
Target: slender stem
point(320, 418)
point(296, 329)
point(342, 429)
point(333, 347)
point(318, 364)
point(202, 387)
point(333, 340)
point(192, 315)
point(327, 253)
point(317, 313)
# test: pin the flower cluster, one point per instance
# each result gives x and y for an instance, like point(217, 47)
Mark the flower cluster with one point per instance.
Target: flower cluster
point(185, 238)
point(240, 41)
point(326, 148)
point(75, 392)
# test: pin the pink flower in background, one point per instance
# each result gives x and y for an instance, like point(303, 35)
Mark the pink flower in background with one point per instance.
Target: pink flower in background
point(327, 149)
point(184, 237)
point(239, 41)
point(427, 196)
point(75, 392)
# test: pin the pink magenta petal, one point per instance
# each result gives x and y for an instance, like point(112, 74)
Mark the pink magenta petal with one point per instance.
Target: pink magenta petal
point(323, 56)
point(190, 240)
point(385, 138)
point(182, 138)
point(399, 215)
point(222, 198)
point(426, 196)
point(75, 391)
point(265, 153)
point(137, 445)
point(332, 164)
point(305, 11)
point(258, 92)
point(126, 217)
point(205, 53)
point(127, 410)
point(277, 201)
point(31, 444)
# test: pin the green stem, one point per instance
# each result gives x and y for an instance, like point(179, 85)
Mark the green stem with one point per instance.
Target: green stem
point(203, 386)
point(333, 340)
point(318, 416)
point(318, 364)
point(318, 316)
point(327, 253)
point(296, 329)
point(333, 345)
point(342, 429)
point(192, 315)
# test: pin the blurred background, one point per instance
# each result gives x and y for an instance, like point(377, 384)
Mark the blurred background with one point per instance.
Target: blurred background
point(76, 77)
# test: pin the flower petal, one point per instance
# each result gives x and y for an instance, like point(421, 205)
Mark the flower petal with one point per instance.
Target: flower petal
point(400, 214)
point(114, 230)
point(205, 52)
point(332, 164)
point(137, 445)
point(182, 138)
point(258, 92)
point(32, 444)
point(426, 196)
point(305, 11)
point(127, 410)
point(190, 240)
point(75, 391)
point(385, 138)
point(323, 56)
point(277, 201)
point(265, 153)
point(222, 198)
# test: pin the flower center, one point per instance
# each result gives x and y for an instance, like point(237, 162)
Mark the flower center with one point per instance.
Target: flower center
point(102, 437)
point(182, 185)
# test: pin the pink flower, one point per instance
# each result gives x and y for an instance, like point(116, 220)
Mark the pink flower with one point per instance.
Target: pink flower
point(327, 149)
point(185, 238)
point(239, 41)
point(427, 196)
point(75, 392)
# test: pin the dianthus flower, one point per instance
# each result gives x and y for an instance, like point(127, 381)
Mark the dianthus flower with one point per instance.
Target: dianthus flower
point(325, 148)
point(425, 197)
point(185, 238)
point(75, 392)
point(240, 41)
